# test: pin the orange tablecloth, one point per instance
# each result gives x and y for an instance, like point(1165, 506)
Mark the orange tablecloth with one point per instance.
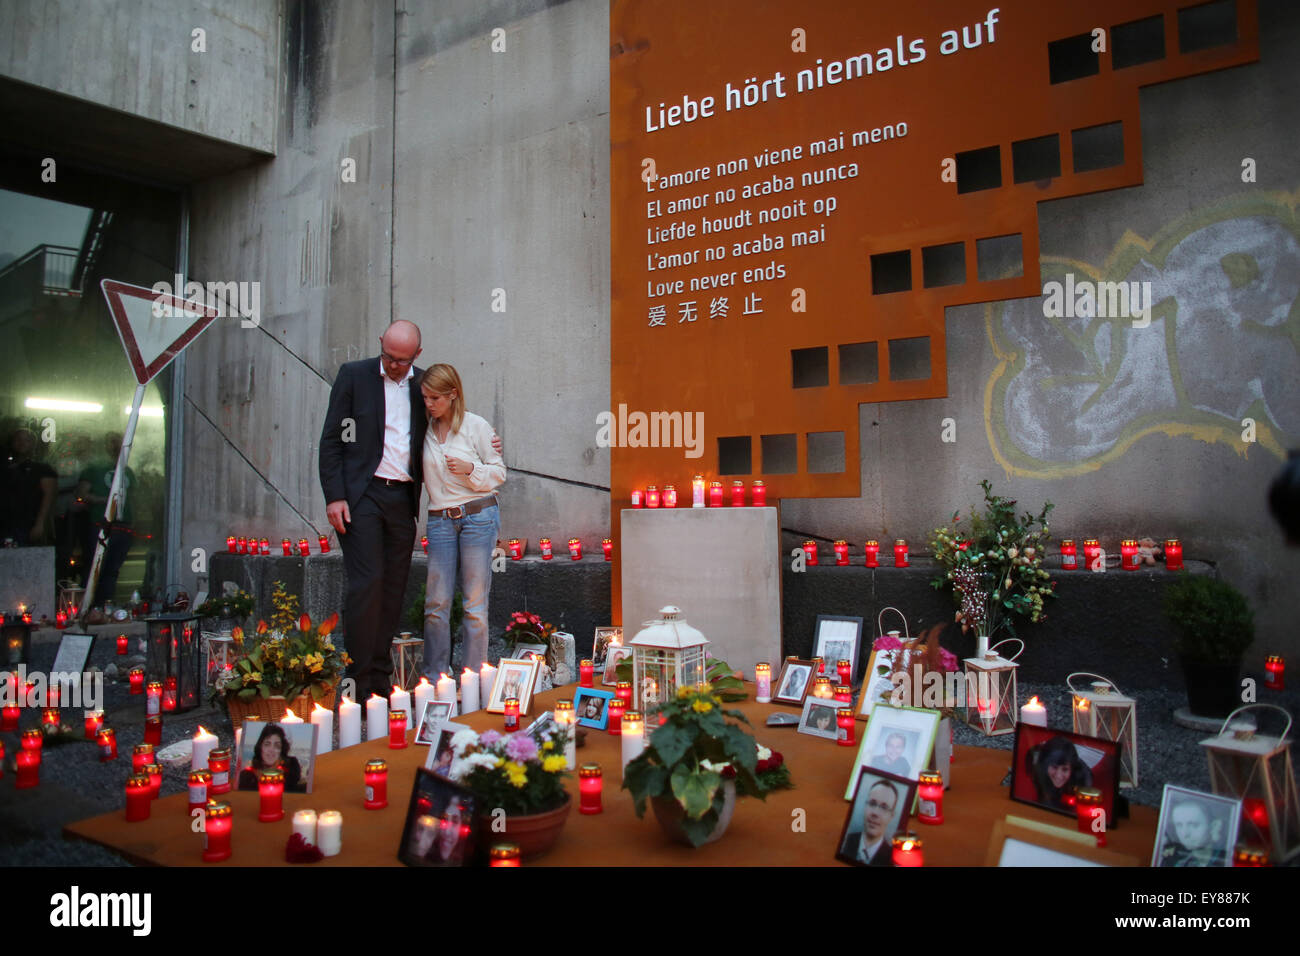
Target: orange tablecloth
point(798, 827)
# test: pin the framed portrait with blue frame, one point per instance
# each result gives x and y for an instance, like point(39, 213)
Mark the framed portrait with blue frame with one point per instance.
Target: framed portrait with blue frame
point(591, 704)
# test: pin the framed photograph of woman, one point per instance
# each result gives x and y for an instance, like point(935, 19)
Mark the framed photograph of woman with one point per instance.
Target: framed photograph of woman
point(432, 718)
point(1195, 829)
point(440, 823)
point(616, 653)
point(818, 718)
point(1048, 766)
point(289, 748)
point(898, 740)
point(836, 639)
point(794, 682)
point(879, 809)
point(515, 678)
point(592, 706)
point(440, 754)
point(604, 639)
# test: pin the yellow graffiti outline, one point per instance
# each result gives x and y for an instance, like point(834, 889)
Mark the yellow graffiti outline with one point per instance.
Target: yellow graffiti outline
point(1202, 426)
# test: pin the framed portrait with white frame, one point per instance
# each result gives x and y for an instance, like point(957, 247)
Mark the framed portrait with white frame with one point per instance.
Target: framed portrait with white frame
point(616, 653)
point(836, 639)
point(898, 740)
point(515, 678)
point(433, 716)
point(818, 718)
point(605, 638)
point(877, 686)
point(794, 683)
point(1195, 829)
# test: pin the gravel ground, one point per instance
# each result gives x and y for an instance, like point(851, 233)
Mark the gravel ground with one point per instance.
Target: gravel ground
point(74, 785)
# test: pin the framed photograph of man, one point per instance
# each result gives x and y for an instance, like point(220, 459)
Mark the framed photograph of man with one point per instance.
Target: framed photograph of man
point(289, 747)
point(515, 678)
point(440, 823)
point(898, 740)
point(794, 682)
point(1195, 829)
point(592, 706)
point(836, 639)
point(1048, 766)
point(605, 637)
point(616, 653)
point(818, 718)
point(432, 718)
point(879, 809)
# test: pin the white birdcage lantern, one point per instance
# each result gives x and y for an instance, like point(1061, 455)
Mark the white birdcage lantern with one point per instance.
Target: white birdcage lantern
point(1102, 711)
point(219, 650)
point(1256, 769)
point(667, 653)
point(990, 691)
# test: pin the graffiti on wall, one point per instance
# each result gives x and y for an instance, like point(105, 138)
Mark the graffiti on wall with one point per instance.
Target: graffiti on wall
point(1077, 385)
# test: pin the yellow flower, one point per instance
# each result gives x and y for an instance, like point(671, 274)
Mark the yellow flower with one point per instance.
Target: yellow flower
point(293, 662)
point(553, 763)
point(701, 706)
point(549, 745)
point(683, 692)
point(515, 771)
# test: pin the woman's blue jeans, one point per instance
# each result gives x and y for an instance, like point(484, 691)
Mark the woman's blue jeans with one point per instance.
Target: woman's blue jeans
point(461, 545)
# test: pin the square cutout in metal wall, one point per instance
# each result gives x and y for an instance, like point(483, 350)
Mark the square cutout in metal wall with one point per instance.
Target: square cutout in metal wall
point(780, 454)
point(909, 359)
point(1036, 159)
point(825, 452)
point(1098, 147)
point(1138, 42)
point(891, 272)
point(999, 257)
point(1207, 25)
point(811, 367)
point(979, 169)
point(943, 265)
point(860, 363)
point(735, 455)
point(1072, 58)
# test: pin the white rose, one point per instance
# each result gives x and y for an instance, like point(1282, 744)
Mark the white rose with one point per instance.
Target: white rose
point(763, 752)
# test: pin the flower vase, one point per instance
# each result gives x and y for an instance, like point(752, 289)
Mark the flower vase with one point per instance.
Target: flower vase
point(670, 814)
point(535, 833)
point(981, 647)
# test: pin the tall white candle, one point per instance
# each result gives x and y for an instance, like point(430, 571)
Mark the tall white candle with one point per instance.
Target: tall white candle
point(324, 721)
point(290, 717)
point(349, 724)
point(329, 831)
point(487, 678)
point(763, 678)
point(1033, 712)
point(376, 718)
point(566, 720)
point(424, 692)
point(204, 744)
point(447, 690)
point(401, 700)
point(633, 736)
point(469, 701)
point(304, 822)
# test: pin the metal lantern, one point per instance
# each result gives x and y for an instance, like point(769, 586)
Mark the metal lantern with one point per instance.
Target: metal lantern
point(15, 639)
point(407, 654)
point(173, 654)
point(220, 654)
point(992, 681)
point(666, 654)
point(1256, 769)
point(1102, 711)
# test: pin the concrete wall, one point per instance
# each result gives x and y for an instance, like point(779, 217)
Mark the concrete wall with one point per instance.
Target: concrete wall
point(138, 56)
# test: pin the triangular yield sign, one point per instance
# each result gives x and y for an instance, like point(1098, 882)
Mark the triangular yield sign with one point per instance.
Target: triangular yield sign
point(154, 327)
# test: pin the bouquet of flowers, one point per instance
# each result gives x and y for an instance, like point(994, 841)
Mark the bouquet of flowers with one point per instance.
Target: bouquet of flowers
point(511, 771)
point(274, 663)
point(237, 604)
point(994, 567)
point(527, 628)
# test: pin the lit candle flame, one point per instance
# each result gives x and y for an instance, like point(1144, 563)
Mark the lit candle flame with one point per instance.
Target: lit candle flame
point(322, 710)
point(288, 713)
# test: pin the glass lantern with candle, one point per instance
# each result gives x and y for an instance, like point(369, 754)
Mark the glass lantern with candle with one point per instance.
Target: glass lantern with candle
point(993, 710)
point(153, 730)
point(141, 756)
point(1102, 711)
point(396, 729)
point(94, 722)
point(197, 788)
point(667, 653)
point(264, 546)
point(27, 769)
point(241, 545)
point(175, 657)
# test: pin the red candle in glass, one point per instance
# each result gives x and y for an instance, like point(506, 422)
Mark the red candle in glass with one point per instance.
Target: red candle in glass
point(512, 714)
point(1254, 810)
point(575, 549)
point(608, 547)
point(516, 549)
point(121, 645)
point(844, 670)
point(137, 680)
point(199, 784)
point(1069, 555)
point(397, 730)
point(376, 775)
point(270, 790)
point(1276, 668)
point(28, 769)
point(929, 808)
point(504, 854)
point(9, 717)
point(32, 740)
point(241, 546)
point(872, 549)
point(545, 545)
point(617, 707)
point(638, 497)
point(586, 673)
point(590, 785)
point(2, 759)
point(50, 720)
point(1249, 856)
point(841, 552)
point(1173, 554)
point(715, 494)
point(230, 544)
point(1128, 550)
point(843, 694)
point(844, 720)
point(907, 850)
point(652, 497)
point(670, 496)
point(810, 551)
point(153, 697)
point(759, 495)
point(900, 553)
point(822, 688)
point(94, 723)
point(107, 740)
point(624, 692)
point(139, 797)
point(286, 547)
point(737, 494)
point(219, 767)
point(304, 548)
point(1087, 809)
point(60, 620)
point(169, 695)
point(424, 543)
point(141, 757)
point(153, 730)
point(1091, 553)
point(324, 544)
point(216, 832)
point(154, 772)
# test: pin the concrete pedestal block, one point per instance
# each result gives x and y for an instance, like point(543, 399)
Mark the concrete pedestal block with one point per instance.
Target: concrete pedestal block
point(27, 577)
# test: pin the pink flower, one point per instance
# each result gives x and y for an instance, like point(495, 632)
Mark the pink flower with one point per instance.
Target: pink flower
point(887, 643)
point(521, 747)
point(947, 660)
point(488, 738)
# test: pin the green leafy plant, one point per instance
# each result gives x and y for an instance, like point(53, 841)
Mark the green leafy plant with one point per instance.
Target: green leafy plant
point(688, 757)
point(1213, 620)
point(994, 565)
point(237, 604)
point(415, 613)
point(284, 663)
point(717, 672)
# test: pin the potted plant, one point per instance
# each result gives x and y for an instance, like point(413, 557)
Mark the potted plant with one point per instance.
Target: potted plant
point(233, 607)
point(516, 774)
point(692, 766)
point(1215, 625)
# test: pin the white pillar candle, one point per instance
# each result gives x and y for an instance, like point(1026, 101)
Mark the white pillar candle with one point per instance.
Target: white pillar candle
point(401, 700)
point(349, 724)
point(290, 717)
point(204, 744)
point(376, 718)
point(447, 691)
point(424, 692)
point(567, 720)
point(487, 678)
point(469, 701)
point(304, 822)
point(1032, 712)
point(329, 831)
point(633, 736)
point(324, 721)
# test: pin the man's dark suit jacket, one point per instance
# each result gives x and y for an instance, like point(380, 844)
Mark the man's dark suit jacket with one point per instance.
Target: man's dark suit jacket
point(347, 467)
